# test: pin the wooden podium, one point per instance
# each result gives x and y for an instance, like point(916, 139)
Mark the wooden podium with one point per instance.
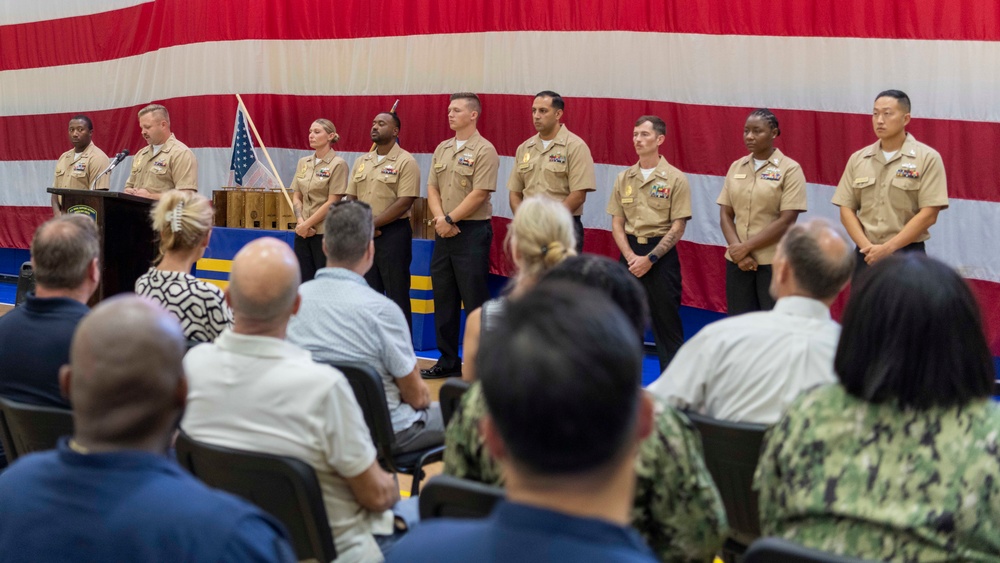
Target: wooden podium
point(127, 239)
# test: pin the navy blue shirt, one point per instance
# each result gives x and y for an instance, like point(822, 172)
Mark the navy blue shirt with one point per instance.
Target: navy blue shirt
point(517, 532)
point(34, 343)
point(61, 505)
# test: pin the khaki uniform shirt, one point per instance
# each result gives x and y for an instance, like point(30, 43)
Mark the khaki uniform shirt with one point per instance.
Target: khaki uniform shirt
point(566, 166)
point(650, 206)
point(78, 174)
point(379, 184)
point(887, 195)
point(174, 167)
point(759, 196)
point(317, 181)
point(456, 172)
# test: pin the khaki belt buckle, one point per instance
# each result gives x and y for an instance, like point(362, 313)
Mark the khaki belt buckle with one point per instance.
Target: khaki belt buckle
point(642, 240)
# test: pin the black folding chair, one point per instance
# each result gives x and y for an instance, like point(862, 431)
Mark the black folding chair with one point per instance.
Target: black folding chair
point(285, 487)
point(731, 453)
point(31, 428)
point(25, 283)
point(776, 550)
point(450, 397)
point(368, 389)
point(446, 496)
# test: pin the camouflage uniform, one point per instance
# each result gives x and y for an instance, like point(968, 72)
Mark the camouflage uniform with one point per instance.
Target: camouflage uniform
point(677, 508)
point(843, 475)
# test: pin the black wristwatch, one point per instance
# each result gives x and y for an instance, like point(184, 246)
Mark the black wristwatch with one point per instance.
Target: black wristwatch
point(447, 219)
point(652, 258)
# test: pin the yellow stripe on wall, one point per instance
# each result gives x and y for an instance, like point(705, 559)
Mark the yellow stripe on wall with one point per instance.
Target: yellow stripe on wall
point(420, 282)
point(422, 306)
point(214, 265)
point(221, 284)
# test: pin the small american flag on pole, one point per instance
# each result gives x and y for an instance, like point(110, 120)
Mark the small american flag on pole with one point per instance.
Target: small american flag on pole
point(244, 168)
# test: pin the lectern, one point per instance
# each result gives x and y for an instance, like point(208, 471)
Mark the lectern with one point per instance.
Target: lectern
point(127, 240)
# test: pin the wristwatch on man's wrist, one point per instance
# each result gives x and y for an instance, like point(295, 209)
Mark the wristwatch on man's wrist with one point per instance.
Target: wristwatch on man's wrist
point(447, 219)
point(652, 258)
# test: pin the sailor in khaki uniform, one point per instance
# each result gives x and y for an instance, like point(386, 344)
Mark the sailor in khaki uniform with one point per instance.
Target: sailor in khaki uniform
point(554, 162)
point(78, 167)
point(166, 164)
point(892, 191)
point(462, 178)
point(388, 179)
point(320, 181)
point(649, 207)
point(762, 196)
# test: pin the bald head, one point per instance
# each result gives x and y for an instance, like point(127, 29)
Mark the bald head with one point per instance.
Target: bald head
point(263, 284)
point(820, 258)
point(125, 377)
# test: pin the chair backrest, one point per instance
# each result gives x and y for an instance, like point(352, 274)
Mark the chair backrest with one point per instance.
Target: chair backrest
point(731, 453)
point(31, 428)
point(446, 496)
point(368, 389)
point(7, 441)
point(25, 283)
point(450, 397)
point(285, 487)
point(776, 550)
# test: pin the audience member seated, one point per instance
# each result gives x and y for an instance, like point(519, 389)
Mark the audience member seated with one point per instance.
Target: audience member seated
point(541, 235)
point(110, 493)
point(183, 221)
point(676, 506)
point(35, 337)
point(750, 367)
point(252, 390)
point(344, 320)
point(561, 376)
point(897, 462)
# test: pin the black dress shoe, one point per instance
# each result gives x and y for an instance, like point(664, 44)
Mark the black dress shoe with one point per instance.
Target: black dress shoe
point(438, 372)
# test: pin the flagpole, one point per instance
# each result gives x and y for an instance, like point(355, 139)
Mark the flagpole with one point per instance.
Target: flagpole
point(266, 155)
point(393, 110)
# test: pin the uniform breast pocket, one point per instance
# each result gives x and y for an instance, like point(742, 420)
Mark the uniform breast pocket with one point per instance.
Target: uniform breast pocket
point(659, 203)
point(60, 172)
point(387, 185)
point(463, 177)
point(557, 168)
point(903, 193)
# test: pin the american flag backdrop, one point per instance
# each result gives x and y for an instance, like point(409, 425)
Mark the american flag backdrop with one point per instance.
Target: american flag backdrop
point(703, 66)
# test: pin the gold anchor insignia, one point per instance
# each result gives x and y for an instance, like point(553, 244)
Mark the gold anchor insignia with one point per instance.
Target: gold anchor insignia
point(527, 156)
point(628, 191)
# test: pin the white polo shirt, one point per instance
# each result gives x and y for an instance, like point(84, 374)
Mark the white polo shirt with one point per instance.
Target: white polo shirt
point(267, 395)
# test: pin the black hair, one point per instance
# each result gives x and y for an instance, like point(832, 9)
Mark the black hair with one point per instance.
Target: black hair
point(85, 119)
point(899, 95)
point(913, 336)
point(557, 101)
point(658, 124)
point(394, 116)
point(561, 375)
point(768, 116)
point(611, 278)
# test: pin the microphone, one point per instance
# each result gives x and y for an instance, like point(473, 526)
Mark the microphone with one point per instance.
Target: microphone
point(118, 159)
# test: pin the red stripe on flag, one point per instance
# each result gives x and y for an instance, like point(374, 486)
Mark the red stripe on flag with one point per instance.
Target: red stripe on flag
point(148, 27)
point(18, 224)
point(700, 140)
